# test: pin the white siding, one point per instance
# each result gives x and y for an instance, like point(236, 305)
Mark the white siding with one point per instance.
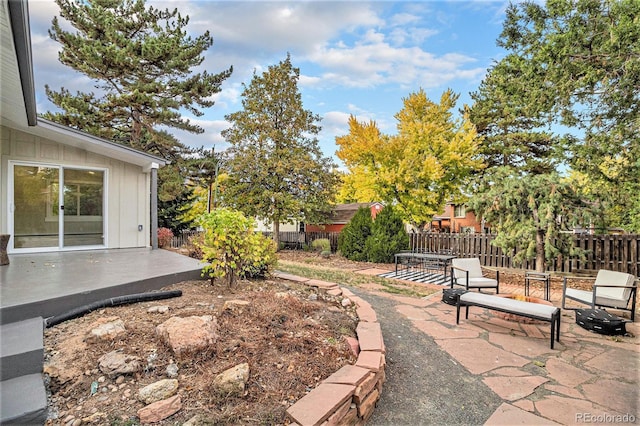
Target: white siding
point(127, 186)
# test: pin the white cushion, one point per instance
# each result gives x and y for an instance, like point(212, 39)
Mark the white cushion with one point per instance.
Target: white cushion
point(468, 264)
point(516, 306)
point(478, 282)
point(621, 279)
point(587, 296)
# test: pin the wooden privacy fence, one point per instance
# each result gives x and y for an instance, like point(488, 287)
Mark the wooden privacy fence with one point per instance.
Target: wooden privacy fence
point(613, 252)
point(298, 240)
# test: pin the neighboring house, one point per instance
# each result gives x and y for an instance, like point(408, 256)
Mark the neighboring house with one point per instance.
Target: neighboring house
point(266, 226)
point(342, 214)
point(457, 218)
point(62, 189)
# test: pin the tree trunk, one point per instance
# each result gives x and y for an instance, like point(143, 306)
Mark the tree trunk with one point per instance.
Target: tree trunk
point(540, 260)
point(276, 234)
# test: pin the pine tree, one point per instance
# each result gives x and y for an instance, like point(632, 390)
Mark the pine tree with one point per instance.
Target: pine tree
point(141, 62)
point(276, 169)
point(388, 237)
point(353, 237)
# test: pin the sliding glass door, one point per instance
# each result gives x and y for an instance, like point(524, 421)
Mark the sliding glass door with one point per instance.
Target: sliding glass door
point(36, 220)
point(57, 207)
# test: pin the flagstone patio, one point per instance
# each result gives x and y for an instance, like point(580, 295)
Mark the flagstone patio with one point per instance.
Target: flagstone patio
point(587, 377)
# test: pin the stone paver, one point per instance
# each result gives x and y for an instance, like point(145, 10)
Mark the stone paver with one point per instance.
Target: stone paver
point(615, 395)
point(564, 390)
point(507, 414)
point(514, 388)
point(479, 356)
point(522, 345)
point(565, 410)
point(566, 374)
point(615, 362)
point(439, 331)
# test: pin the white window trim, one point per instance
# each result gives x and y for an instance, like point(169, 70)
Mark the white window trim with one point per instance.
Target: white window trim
point(10, 206)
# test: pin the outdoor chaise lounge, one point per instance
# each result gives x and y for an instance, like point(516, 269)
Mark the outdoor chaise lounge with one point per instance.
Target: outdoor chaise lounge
point(611, 289)
point(468, 272)
point(503, 304)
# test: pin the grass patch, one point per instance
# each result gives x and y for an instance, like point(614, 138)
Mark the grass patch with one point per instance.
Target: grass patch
point(350, 278)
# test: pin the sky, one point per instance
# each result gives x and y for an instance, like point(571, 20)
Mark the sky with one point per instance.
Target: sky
point(355, 57)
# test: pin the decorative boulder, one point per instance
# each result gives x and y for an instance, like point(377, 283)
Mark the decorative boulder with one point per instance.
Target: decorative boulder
point(233, 380)
point(116, 363)
point(190, 334)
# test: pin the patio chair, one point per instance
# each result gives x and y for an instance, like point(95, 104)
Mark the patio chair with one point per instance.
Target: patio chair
point(469, 273)
point(611, 289)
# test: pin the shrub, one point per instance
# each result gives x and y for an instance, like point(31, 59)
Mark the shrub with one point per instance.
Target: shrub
point(321, 245)
point(232, 248)
point(388, 237)
point(353, 237)
point(165, 236)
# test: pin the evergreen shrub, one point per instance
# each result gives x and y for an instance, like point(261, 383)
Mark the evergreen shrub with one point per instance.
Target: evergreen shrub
point(353, 237)
point(388, 237)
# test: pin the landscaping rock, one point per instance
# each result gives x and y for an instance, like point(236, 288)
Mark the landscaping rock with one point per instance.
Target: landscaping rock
point(186, 335)
point(160, 410)
point(172, 371)
point(116, 363)
point(158, 391)
point(233, 380)
point(105, 329)
point(234, 304)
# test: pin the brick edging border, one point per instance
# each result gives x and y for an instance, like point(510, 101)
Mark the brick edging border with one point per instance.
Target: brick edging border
point(350, 394)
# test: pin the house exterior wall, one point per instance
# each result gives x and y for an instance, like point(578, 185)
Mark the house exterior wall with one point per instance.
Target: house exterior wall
point(127, 201)
point(374, 208)
point(449, 222)
point(335, 227)
point(264, 226)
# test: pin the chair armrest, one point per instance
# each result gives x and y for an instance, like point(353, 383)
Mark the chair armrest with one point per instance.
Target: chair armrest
point(575, 277)
point(497, 272)
point(634, 285)
point(458, 268)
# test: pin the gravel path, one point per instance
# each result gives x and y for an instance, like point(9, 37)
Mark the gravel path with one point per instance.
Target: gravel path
point(424, 384)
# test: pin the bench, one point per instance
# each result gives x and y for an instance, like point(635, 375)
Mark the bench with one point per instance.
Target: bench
point(511, 306)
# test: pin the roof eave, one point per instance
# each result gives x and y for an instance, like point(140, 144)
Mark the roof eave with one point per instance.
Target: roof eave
point(100, 145)
point(19, 16)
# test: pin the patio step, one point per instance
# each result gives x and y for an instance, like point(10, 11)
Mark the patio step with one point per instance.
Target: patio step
point(23, 398)
point(22, 348)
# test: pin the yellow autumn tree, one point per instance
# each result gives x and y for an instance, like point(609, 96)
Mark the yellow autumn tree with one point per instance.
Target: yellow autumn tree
point(426, 163)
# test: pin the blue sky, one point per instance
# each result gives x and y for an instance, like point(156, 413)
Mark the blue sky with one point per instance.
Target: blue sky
point(355, 57)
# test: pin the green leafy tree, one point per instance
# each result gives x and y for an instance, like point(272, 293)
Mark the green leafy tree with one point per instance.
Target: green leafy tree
point(587, 57)
point(141, 61)
point(420, 168)
point(232, 248)
point(276, 169)
point(388, 237)
point(353, 237)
